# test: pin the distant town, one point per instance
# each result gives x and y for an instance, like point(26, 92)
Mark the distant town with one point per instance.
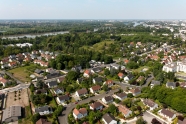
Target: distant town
point(93, 71)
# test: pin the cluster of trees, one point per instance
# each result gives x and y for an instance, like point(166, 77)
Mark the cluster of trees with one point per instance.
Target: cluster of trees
point(68, 61)
point(173, 98)
point(40, 99)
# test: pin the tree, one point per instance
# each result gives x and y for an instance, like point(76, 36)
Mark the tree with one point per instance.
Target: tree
point(141, 121)
point(35, 117)
point(72, 76)
point(129, 95)
point(112, 109)
point(106, 72)
point(32, 87)
point(105, 87)
point(58, 111)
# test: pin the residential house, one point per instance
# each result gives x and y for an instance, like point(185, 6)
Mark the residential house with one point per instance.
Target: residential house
point(96, 106)
point(44, 110)
point(3, 81)
point(52, 84)
point(121, 96)
point(62, 99)
point(126, 61)
point(52, 75)
point(38, 71)
point(109, 83)
point(140, 78)
point(87, 73)
point(107, 99)
point(128, 78)
point(95, 89)
point(78, 114)
point(171, 85)
point(124, 110)
point(77, 68)
point(117, 67)
point(43, 121)
point(120, 75)
point(96, 70)
point(183, 84)
point(135, 91)
point(11, 114)
point(154, 83)
point(181, 121)
point(167, 114)
point(151, 104)
point(12, 64)
point(58, 90)
point(61, 79)
point(41, 91)
point(109, 119)
point(97, 80)
point(81, 92)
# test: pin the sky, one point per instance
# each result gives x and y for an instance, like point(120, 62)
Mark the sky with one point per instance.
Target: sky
point(92, 9)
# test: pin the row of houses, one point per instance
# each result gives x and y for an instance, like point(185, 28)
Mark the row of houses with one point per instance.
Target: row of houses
point(38, 57)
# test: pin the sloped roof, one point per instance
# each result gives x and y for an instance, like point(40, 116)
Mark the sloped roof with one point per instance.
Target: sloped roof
point(108, 118)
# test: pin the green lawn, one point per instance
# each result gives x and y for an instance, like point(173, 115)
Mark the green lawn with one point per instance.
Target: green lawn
point(27, 119)
point(23, 73)
point(99, 46)
point(141, 104)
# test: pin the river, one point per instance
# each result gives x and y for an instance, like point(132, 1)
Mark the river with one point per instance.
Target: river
point(34, 35)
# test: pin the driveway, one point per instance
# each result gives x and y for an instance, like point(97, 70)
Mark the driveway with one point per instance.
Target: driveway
point(64, 118)
point(148, 117)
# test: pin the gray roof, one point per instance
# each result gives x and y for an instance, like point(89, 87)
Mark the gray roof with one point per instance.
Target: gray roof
point(39, 91)
point(108, 98)
point(13, 111)
point(97, 69)
point(153, 82)
point(64, 97)
point(52, 83)
point(42, 109)
point(98, 79)
point(38, 71)
point(53, 75)
point(171, 84)
point(121, 95)
point(108, 118)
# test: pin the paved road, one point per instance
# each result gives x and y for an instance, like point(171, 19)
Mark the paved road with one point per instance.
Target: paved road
point(12, 89)
point(64, 118)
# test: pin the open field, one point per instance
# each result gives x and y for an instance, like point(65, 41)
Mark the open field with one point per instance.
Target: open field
point(23, 73)
point(17, 98)
point(99, 46)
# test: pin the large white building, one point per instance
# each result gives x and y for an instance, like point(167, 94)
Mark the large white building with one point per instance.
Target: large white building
point(175, 67)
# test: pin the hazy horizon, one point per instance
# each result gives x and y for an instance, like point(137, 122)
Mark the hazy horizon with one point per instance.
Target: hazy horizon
point(92, 10)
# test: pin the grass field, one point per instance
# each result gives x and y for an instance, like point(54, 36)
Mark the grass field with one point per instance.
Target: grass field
point(99, 46)
point(23, 73)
